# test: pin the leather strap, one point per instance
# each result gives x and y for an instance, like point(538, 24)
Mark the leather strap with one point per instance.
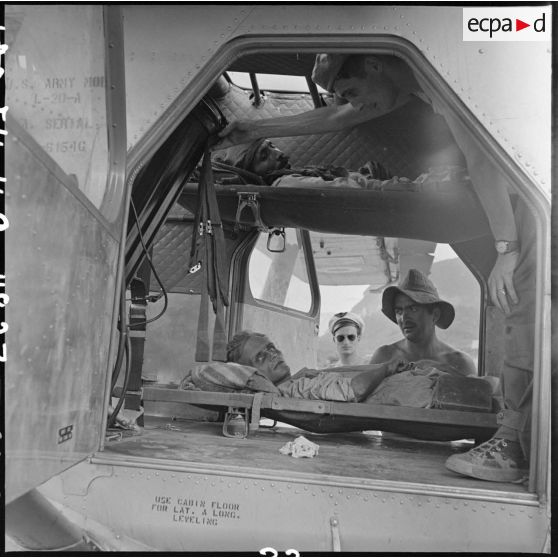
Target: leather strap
point(208, 248)
point(256, 410)
point(202, 340)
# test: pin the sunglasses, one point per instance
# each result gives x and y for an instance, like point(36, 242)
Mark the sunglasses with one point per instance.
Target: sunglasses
point(341, 338)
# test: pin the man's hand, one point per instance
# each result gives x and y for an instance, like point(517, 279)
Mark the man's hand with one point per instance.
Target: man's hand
point(395, 366)
point(460, 368)
point(239, 131)
point(425, 363)
point(500, 282)
point(306, 373)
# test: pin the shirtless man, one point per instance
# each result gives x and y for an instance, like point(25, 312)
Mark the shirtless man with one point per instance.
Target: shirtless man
point(417, 309)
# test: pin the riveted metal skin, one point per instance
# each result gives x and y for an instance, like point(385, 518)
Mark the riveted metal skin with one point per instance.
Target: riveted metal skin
point(181, 509)
point(170, 506)
point(50, 336)
point(62, 263)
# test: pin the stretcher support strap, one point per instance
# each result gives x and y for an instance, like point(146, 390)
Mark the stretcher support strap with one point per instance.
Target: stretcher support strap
point(207, 253)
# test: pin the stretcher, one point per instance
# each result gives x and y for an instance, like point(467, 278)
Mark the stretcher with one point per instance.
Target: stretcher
point(452, 209)
point(333, 416)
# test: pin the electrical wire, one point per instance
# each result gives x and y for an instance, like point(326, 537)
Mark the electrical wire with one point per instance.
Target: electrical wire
point(128, 350)
point(152, 269)
point(121, 339)
point(123, 351)
point(124, 343)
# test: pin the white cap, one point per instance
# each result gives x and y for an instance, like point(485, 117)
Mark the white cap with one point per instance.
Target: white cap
point(342, 319)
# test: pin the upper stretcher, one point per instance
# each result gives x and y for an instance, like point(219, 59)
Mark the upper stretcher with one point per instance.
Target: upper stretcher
point(439, 207)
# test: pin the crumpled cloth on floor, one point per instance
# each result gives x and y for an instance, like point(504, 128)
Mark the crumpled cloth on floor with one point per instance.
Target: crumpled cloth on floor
point(301, 447)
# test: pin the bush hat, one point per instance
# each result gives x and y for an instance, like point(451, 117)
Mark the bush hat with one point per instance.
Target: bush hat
point(421, 290)
point(342, 319)
point(326, 68)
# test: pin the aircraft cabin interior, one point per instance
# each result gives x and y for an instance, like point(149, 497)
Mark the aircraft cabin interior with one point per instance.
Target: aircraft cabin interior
point(330, 236)
point(138, 248)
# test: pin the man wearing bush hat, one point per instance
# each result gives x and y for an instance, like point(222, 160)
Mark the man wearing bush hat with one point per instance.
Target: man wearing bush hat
point(415, 306)
point(419, 289)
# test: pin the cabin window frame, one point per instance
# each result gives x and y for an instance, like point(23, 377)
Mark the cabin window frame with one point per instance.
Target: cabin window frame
point(411, 54)
point(305, 247)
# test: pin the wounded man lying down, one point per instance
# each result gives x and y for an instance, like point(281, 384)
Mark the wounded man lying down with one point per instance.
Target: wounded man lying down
point(256, 365)
point(272, 165)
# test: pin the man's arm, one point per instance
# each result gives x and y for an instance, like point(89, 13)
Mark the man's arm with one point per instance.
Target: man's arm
point(304, 373)
point(366, 382)
point(493, 194)
point(318, 121)
point(456, 363)
point(491, 188)
point(463, 363)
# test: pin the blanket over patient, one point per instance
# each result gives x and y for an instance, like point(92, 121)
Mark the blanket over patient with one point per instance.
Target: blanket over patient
point(233, 377)
point(416, 387)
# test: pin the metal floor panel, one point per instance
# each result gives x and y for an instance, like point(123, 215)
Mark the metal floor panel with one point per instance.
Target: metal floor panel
point(356, 457)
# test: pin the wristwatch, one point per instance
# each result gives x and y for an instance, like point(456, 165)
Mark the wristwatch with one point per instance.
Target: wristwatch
point(506, 246)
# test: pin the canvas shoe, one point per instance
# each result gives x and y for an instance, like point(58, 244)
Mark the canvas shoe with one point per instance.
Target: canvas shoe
point(497, 459)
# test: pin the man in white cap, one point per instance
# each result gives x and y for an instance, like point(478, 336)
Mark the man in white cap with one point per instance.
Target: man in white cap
point(415, 306)
point(375, 85)
point(346, 329)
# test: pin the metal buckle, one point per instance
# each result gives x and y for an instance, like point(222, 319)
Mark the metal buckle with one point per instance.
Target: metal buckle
point(249, 200)
point(276, 240)
point(195, 268)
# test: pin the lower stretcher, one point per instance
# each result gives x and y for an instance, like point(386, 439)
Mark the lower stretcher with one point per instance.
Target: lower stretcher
point(334, 416)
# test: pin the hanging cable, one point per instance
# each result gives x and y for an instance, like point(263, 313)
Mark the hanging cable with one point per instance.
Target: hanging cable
point(124, 343)
point(121, 339)
point(152, 269)
point(128, 351)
